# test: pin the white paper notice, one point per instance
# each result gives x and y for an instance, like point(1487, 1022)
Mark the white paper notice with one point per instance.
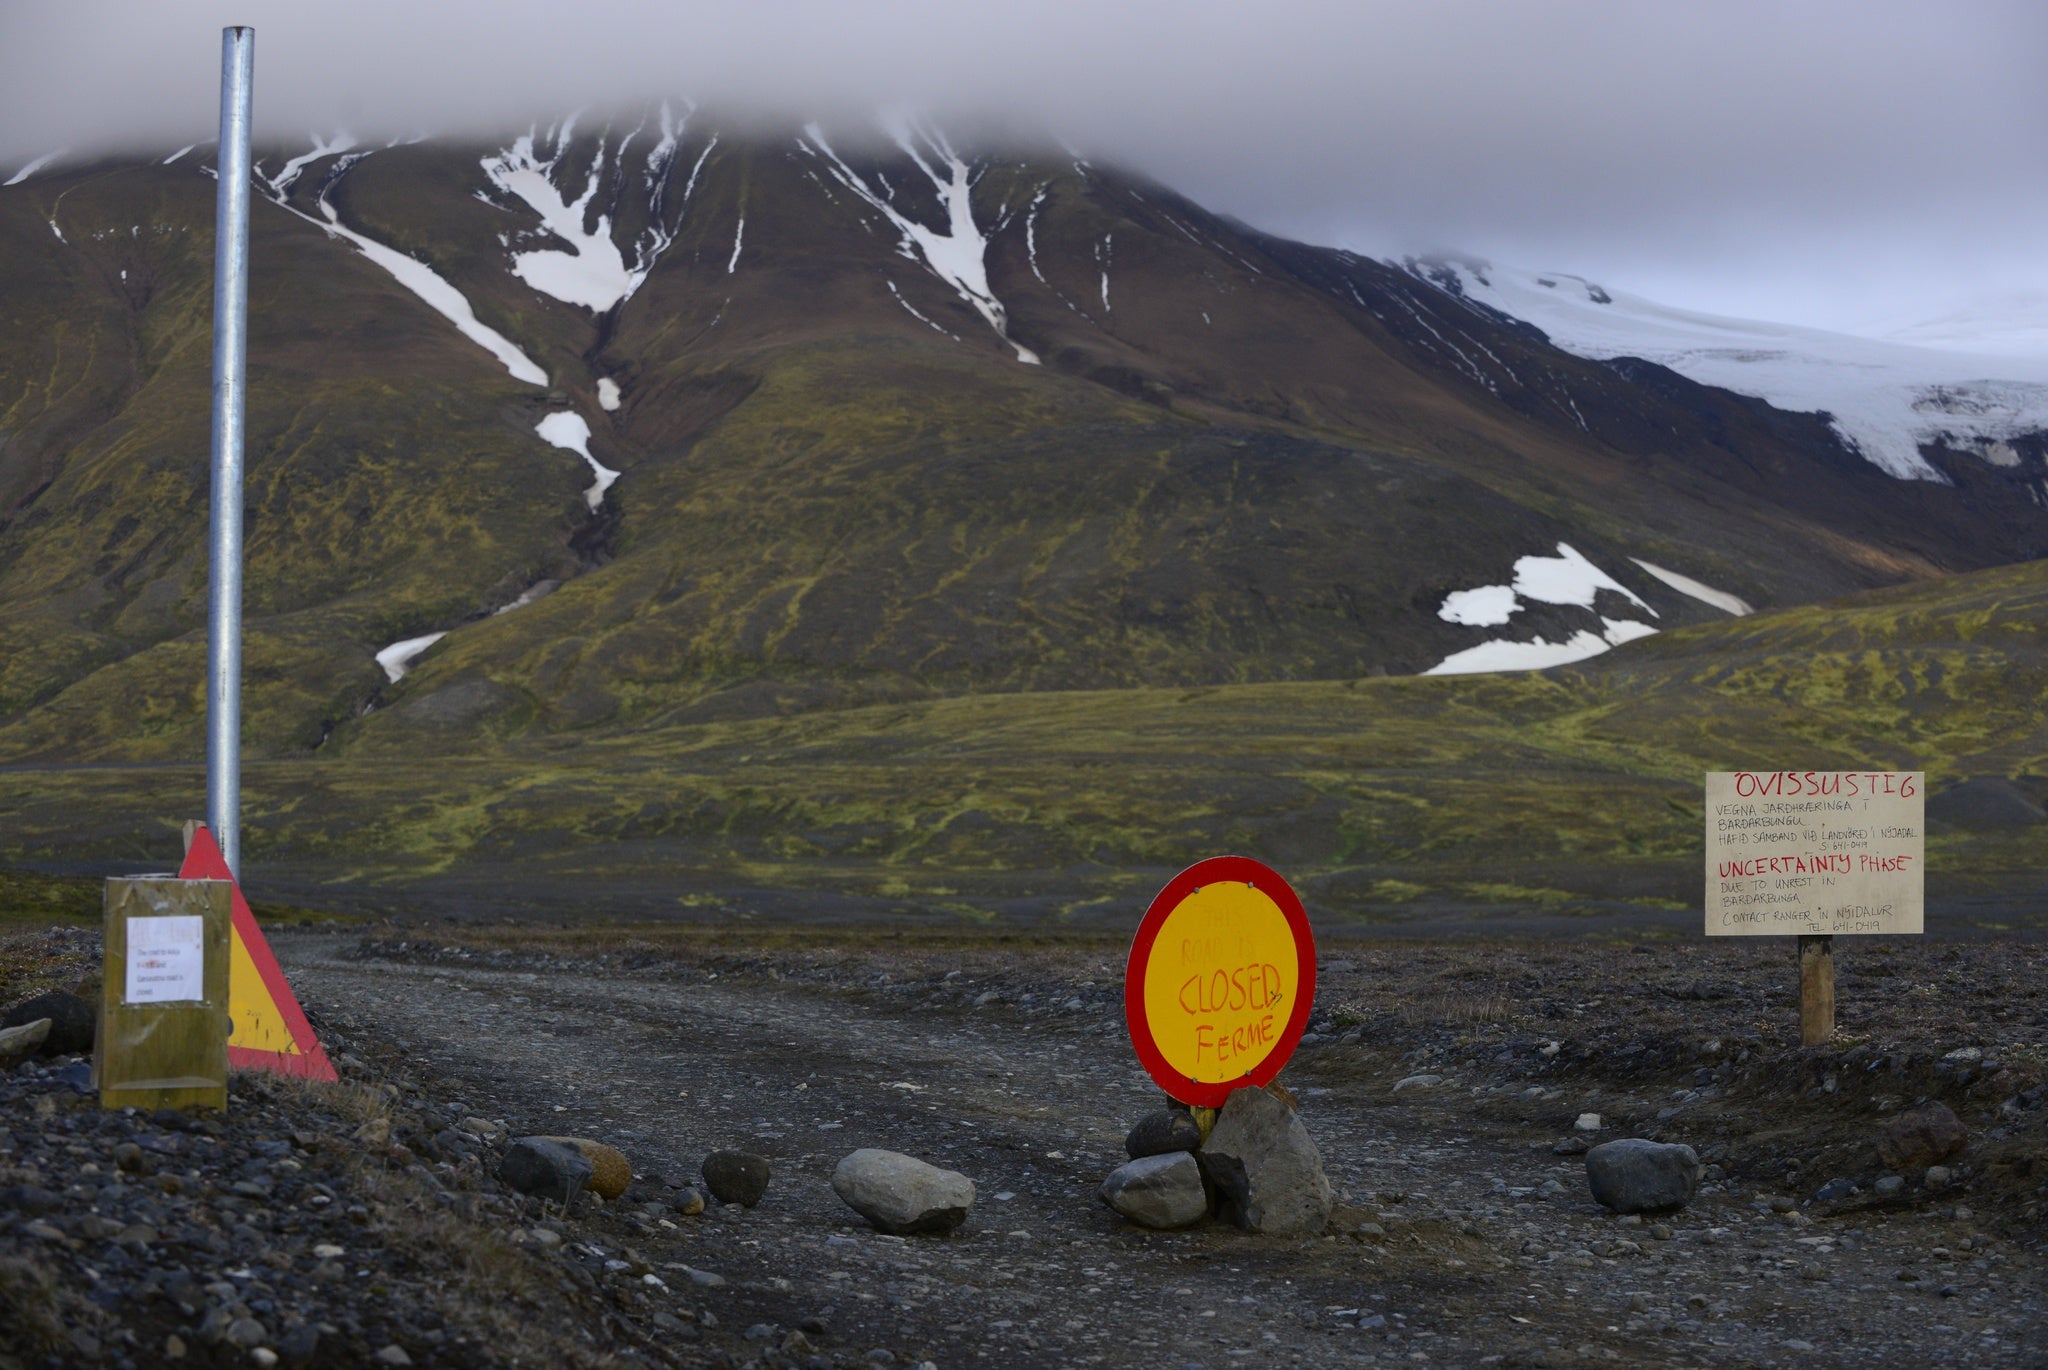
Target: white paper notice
point(1815, 852)
point(166, 959)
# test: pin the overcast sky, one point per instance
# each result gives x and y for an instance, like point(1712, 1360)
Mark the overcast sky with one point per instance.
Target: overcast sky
point(1831, 163)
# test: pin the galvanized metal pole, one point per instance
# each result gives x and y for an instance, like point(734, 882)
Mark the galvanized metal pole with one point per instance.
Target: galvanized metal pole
point(230, 365)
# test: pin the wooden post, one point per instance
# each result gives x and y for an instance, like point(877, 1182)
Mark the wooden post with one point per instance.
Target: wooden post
point(1816, 990)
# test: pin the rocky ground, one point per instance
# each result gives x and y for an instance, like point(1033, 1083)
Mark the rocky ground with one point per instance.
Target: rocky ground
point(1445, 1085)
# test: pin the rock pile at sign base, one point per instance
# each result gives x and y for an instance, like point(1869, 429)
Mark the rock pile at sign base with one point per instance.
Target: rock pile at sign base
point(1266, 1171)
point(1634, 1175)
point(1158, 1191)
point(902, 1195)
point(1162, 1133)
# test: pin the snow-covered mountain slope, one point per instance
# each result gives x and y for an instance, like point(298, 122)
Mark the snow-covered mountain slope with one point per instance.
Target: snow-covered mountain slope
point(2014, 325)
point(1886, 399)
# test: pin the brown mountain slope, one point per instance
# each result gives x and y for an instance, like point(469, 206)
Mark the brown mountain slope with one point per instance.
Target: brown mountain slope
point(1235, 458)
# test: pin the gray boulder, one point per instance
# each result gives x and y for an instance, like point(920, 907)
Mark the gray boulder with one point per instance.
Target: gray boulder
point(1267, 1173)
point(900, 1194)
point(17, 1044)
point(1158, 1134)
point(1159, 1191)
point(72, 1021)
point(1634, 1175)
point(545, 1167)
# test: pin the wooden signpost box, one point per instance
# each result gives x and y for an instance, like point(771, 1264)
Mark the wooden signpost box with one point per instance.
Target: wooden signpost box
point(1816, 855)
point(163, 1033)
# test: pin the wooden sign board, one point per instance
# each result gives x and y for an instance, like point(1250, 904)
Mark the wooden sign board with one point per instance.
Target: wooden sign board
point(1815, 853)
point(1220, 979)
point(163, 1032)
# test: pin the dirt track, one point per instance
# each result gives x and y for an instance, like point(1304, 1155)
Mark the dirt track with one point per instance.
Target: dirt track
point(1030, 1093)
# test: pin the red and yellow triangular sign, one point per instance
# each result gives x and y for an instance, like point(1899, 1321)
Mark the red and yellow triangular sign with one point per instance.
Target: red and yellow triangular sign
point(268, 1030)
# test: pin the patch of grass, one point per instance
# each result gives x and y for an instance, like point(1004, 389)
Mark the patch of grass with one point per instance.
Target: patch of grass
point(31, 899)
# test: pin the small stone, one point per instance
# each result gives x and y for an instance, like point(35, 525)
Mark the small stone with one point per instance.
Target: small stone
point(30, 1199)
point(1921, 1137)
point(1160, 1191)
point(328, 1251)
point(247, 1332)
point(546, 1168)
point(264, 1357)
point(1888, 1185)
point(1549, 1189)
point(1550, 1049)
point(1412, 1082)
point(1587, 1122)
point(17, 1044)
point(1264, 1167)
point(1796, 1344)
point(393, 1354)
point(174, 1347)
point(300, 1344)
point(72, 1021)
point(1368, 1232)
point(1659, 1232)
point(1937, 1177)
point(736, 1177)
point(1638, 1176)
point(1161, 1133)
point(688, 1202)
point(1813, 1270)
point(1834, 1191)
point(900, 1194)
point(1572, 1146)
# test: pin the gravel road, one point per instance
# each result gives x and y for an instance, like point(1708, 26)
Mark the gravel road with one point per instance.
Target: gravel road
point(1445, 1249)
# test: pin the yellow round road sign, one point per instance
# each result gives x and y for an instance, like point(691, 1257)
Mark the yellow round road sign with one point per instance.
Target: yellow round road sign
point(1221, 976)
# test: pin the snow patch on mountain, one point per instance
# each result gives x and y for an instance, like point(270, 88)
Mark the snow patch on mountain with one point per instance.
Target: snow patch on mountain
point(1538, 654)
point(443, 298)
point(1565, 579)
point(176, 155)
point(571, 432)
point(397, 659)
point(608, 394)
point(1883, 399)
point(33, 167)
point(281, 184)
point(593, 272)
point(1705, 594)
point(1489, 606)
point(957, 256)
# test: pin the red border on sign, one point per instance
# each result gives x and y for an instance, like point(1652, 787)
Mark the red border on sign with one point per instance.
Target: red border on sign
point(1212, 871)
point(203, 861)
